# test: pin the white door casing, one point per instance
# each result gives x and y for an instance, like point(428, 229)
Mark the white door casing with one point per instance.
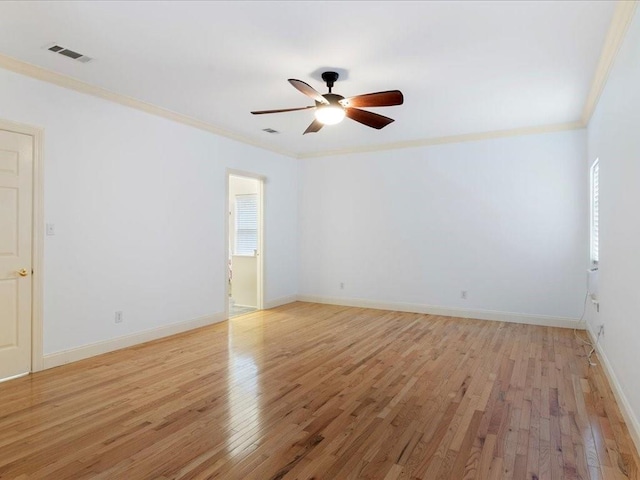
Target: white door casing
point(260, 261)
point(16, 214)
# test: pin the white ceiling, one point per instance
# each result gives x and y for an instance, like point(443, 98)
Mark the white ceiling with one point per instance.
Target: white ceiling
point(464, 67)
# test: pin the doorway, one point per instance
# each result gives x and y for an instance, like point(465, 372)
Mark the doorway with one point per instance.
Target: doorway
point(20, 250)
point(245, 243)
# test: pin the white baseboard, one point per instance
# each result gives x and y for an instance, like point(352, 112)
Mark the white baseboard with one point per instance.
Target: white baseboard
point(543, 320)
point(625, 407)
point(276, 302)
point(67, 356)
point(13, 377)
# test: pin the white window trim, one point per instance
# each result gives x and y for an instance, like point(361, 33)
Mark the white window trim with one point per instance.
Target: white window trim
point(594, 214)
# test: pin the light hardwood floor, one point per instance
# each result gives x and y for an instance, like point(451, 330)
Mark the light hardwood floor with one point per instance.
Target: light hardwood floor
point(324, 392)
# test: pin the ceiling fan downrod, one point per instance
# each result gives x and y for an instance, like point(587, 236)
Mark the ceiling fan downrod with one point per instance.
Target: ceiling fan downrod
point(330, 78)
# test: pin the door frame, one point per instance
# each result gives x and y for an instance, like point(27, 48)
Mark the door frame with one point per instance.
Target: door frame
point(37, 236)
point(261, 244)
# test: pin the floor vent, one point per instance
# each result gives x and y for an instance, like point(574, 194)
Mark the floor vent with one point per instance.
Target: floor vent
point(69, 53)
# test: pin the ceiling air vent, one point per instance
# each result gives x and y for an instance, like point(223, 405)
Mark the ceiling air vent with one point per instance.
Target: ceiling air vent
point(69, 53)
point(270, 130)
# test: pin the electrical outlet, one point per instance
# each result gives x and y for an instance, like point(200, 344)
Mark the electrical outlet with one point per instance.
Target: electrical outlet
point(341, 285)
point(463, 294)
point(118, 316)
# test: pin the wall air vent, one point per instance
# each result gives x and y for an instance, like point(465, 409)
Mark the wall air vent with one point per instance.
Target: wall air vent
point(270, 130)
point(69, 53)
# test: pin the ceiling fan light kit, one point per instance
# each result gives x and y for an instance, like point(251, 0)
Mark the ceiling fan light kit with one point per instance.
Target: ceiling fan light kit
point(332, 112)
point(330, 115)
point(332, 108)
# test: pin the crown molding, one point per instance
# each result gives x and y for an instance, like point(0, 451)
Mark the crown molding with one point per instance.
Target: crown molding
point(622, 16)
point(39, 73)
point(468, 137)
point(618, 27)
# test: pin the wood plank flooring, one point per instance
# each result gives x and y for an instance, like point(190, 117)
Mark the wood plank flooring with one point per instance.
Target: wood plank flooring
point(310, 391)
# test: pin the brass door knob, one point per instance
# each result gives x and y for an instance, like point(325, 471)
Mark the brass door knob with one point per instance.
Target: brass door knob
point(23, 272)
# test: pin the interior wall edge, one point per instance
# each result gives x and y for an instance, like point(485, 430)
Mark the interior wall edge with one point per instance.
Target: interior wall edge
point(511, 317)
point(91, 350)
point(622, 16)
point(43, 74)
point(277, 302)
point(633, 424)
point(462, 138)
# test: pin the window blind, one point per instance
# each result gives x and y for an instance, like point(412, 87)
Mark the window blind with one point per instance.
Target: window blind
point(595, 211)
point(246, 224)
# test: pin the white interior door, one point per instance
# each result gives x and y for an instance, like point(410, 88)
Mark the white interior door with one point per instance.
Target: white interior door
point(16, 184)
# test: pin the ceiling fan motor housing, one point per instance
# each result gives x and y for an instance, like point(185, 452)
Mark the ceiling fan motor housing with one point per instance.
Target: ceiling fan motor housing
point(330, 78)
point(332, 98)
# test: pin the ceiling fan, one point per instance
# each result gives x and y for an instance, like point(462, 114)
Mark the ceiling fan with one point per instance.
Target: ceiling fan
point(332, 108)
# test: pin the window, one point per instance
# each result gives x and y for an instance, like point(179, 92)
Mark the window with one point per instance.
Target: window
point(246, 224)
point(595, 211)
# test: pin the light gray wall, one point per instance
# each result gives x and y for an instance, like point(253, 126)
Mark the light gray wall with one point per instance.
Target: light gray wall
point(506, 220)
point(614, 138)
point(139, 208)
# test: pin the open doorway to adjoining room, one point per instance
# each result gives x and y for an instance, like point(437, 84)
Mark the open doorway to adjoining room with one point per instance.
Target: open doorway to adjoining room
point(244, 251)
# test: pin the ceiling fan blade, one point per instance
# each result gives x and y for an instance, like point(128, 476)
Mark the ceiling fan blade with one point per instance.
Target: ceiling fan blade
point(260, 112)
point(308, 90)
point(377, 99)
point(369, 119)
point(314, 127)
